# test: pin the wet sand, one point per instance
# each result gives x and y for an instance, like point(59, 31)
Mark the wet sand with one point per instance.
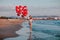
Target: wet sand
point(8, 27)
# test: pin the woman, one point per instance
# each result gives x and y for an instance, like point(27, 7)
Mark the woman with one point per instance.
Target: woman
point(30, 22)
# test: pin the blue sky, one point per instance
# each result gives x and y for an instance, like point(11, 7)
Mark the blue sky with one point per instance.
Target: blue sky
point(41, 3)
point(36, 7)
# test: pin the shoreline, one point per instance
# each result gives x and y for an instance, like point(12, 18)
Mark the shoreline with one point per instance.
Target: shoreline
point(9, 27)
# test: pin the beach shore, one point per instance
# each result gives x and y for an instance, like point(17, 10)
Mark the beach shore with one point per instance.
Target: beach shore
point(8, 27)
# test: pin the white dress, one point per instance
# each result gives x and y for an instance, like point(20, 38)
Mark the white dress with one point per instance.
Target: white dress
point(30, 21)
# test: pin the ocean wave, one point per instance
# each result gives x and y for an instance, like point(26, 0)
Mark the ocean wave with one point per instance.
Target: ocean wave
point(46, 29)
point(48, 22)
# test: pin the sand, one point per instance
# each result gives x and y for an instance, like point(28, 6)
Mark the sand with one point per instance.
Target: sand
point(8, 27)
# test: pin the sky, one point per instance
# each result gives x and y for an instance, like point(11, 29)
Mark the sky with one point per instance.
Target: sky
point(35, 7)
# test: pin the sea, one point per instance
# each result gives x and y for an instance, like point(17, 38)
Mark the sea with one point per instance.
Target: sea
point(41, 30)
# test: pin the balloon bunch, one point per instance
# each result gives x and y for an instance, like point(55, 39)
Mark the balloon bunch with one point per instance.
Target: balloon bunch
point(21, 10)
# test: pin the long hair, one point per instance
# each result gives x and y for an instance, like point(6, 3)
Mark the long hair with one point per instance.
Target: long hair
point(30, 17)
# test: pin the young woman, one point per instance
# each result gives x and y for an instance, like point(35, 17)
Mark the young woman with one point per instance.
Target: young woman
point(30, 22)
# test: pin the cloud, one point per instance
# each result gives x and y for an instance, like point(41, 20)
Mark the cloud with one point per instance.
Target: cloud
point(45, 11)
point(37, 11)
point(6, 8)
point(7, 11)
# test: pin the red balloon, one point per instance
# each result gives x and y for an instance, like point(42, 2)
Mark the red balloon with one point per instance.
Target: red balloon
point(25, 12)
point(18, 11)
point(21, 10)
point(24, 7)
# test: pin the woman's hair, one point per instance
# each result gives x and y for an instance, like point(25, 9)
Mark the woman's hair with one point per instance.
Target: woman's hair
point(30, 17)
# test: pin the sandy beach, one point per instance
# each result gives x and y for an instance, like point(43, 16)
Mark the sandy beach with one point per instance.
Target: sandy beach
point(8, 27)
